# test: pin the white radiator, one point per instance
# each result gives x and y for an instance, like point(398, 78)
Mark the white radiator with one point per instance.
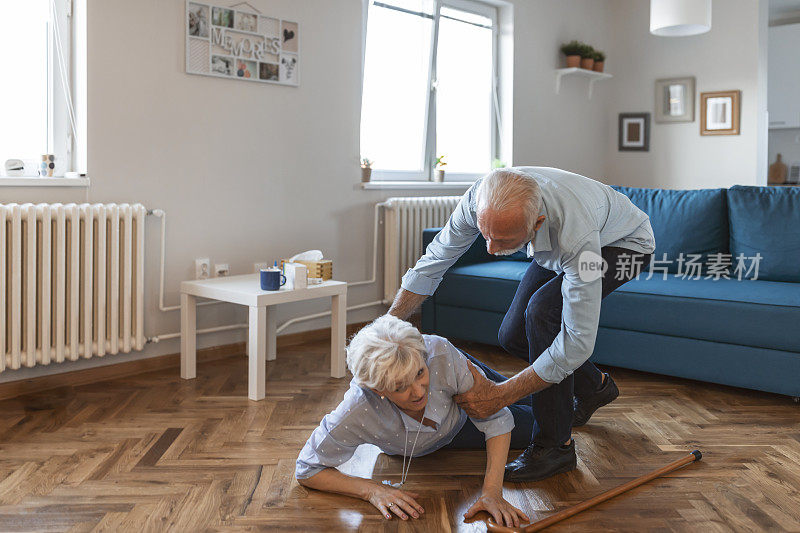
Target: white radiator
point(405, 220)
point(71, 282)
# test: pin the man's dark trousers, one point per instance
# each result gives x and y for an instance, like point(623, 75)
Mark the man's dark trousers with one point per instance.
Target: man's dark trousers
point(533, 322)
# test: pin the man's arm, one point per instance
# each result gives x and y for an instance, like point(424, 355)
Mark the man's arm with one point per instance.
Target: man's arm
point(487, 397)
point(582, 293)
point(405, 303)
point(455, 238)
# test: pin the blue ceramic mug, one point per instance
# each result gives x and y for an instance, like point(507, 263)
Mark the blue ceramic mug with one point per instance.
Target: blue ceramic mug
point(272, 279)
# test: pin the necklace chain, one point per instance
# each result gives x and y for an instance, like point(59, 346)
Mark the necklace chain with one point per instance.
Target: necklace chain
point(413, 446)
point(405, 470)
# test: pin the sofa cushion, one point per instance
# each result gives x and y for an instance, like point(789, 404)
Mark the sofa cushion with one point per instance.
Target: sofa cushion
point(490, 286)
point(747, 312)
point(766, 220)
point(688, 221)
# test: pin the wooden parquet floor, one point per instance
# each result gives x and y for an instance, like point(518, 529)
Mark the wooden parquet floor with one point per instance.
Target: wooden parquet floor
point(152, 452)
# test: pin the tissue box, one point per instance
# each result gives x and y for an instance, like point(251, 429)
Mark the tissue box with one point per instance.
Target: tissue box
point(316, 269)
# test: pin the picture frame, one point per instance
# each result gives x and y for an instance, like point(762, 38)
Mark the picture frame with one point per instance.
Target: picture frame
point(634, 132)
point(674, 100)
point(720, 112)
point(224, 42)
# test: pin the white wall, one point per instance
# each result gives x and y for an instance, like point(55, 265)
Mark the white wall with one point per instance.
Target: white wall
point(253, 172)
point(725, 58)
point(562, 130)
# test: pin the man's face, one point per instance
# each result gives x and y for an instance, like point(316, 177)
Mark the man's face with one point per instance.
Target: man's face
point(504, 231)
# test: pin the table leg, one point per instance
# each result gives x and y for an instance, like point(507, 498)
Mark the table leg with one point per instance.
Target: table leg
point(257, 365)
point(188, 336)
point(338, 333)
point(271, 335)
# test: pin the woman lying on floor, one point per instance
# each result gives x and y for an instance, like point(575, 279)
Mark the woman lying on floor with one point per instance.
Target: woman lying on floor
point(401, 400)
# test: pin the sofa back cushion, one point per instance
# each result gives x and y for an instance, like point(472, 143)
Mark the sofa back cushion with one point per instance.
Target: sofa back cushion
point(766, 220)
point(691, 221)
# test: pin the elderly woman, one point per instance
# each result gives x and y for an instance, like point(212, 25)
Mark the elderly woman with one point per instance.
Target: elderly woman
point(401, 400)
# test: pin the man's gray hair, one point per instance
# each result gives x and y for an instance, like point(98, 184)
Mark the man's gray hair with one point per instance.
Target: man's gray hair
point(504, 188)
point(386, 354)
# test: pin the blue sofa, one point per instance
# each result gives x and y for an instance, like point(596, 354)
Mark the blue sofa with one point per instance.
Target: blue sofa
point(744, 333)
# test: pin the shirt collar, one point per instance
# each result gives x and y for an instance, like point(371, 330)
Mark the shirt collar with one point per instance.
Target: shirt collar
point(412, 425)
point(541, 243)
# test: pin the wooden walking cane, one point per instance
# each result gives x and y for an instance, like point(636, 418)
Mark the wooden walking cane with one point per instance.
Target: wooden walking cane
point(607, 495)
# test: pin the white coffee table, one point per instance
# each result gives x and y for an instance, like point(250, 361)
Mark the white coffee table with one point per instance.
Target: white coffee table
point(246, 290)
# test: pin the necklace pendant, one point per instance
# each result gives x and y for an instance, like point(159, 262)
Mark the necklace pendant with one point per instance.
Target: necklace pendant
point(395, 485)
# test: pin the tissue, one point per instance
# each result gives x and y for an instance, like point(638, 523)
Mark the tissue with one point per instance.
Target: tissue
point(309, 255)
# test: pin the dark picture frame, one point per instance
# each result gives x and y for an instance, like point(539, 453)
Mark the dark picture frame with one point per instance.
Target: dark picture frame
point(634, 132)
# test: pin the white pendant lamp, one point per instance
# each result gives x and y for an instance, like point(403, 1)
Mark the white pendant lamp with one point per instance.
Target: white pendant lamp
point(679, 18)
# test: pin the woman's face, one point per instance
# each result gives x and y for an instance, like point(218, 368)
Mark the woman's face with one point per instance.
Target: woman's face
point(415, 396)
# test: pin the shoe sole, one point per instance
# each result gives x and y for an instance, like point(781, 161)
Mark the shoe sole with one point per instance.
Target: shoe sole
point(566, 468)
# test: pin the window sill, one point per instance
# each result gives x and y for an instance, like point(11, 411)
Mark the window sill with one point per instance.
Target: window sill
point(419, 185)
point(20, 181)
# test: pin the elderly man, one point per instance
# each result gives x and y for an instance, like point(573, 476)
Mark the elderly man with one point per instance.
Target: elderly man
point(586, 239)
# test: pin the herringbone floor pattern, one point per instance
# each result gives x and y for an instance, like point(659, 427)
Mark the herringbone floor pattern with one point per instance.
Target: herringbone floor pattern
point(153, 452)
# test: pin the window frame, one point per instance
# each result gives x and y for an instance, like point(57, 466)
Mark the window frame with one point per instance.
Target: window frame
point(477, 7)
point(60, 139)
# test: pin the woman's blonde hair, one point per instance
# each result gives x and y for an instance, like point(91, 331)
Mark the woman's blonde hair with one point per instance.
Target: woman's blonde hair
point(386, 354)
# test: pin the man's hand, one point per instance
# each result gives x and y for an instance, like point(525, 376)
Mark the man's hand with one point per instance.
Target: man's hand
point(485, 397)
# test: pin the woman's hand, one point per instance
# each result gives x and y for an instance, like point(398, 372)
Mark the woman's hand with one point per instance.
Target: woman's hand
point(390, 500)
point(503, 512)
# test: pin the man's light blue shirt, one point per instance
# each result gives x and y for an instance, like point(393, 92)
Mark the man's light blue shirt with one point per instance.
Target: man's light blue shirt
point(581, 215)
point(362, 417)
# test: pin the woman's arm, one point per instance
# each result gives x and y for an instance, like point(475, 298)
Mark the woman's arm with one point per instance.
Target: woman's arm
point(385, 498)
point(491, 498)
point(496, 456)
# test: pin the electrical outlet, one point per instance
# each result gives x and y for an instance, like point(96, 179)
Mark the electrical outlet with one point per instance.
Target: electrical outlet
point(202, 268)
point(258, 266)
point(221, 270)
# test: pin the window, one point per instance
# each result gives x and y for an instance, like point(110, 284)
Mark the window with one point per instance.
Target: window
point(430, 88)
point(36, 39)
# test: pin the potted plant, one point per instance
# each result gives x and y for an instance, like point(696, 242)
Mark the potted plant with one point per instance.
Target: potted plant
point(498, 163)
point(366, 169)
point(599, 60)
point(439, 170)
point(587, 57)
point(573, 50)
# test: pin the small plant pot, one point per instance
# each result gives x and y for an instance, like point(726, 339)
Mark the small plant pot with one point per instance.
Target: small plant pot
point(573, 61)
point(598, 66)
point(438, 176)
point(366, 172)
point(587, 63)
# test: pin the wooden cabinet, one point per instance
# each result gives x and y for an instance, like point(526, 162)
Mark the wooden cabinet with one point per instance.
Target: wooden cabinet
point(784, 76)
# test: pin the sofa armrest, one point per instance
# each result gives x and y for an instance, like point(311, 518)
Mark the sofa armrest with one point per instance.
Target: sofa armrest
point(475, 254)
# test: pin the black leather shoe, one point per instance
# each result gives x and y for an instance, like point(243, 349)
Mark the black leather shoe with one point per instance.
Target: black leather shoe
point(584, 409)
point(537, 463)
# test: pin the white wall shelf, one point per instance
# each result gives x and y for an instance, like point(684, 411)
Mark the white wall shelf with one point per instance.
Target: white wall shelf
point(42, 182)
point(583, 73)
